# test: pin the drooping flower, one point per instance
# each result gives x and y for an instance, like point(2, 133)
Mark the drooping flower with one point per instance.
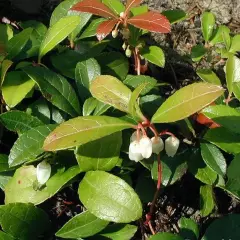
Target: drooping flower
point(145, 146)
point(134, 151)
point(43, 172)
point(157, 145)
point(171, 146)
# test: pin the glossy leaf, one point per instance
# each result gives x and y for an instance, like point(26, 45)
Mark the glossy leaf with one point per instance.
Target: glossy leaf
point(15, 87)
point(100, 193)
point(198, 52)
point(188, 228)
point(17, 43)
point(232, 72)
point(21, 187)
point(101, 108)
point(95, 7)
point(89, 106)
point(29, 145)
point(154, 55)
point(175, 15)
point(132, 3)
point(18, 121)
point(208, 22)
point(151, 21)
point(219, 35)
point(82, 225)
point(101, 158)
point(105, 28)
point(6, 33)
point(81, 130)
point(207, 202)
point(55, 89)
point(227, 227)
point(23, 221)
point(165, 236)
point(209, 76)
point(4, 236)
point(235, 46)
point(5, 177)
point(115, 5)
point(3, 163)
point(110, 90)
point(6, 64)
point(58, 32)
point(186, 101)
point(213, 157)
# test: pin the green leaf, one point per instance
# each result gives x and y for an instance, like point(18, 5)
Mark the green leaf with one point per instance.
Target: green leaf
point(232, 72)
point(175, 15)
point(111, 91)
point(154, 55)
point(3, 163)
point(101, 108)
point(187, 101)
point(58, 32)
point(209, 76)
point(213, 157)
point(113, 63)
point(119, 231)
point(89, 106)
point(82, 225)
point(91, 29)
point(21, 187)
point(81, 130)
point(224, 115)
point(4, 236)
point(229, 143)
point(115, 5)
point(6, 33)
point(220, 35)
point(101, 158)
point(188, 228)
point(165, 236)
point(18, 121)
point(17, 43)
point(200, 170)
point(198, 52)
point(236, 89)
point(207, 202)
point(85, 73)
point(109, 197)
point(227, 227)
point(133, 81)
point(29, 145)
point(16, 87)
point(23, 221)
point(5, 177)
point(235, 46)
point(55, 89)
point(6, 64)
point(208, 22)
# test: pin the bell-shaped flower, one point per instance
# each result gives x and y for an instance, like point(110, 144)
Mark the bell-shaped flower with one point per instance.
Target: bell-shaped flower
point(134, 151)
point(145, 147)
point(157, 145)
point(134, 136)
point(43, 172)
point(171, 146)
point(114, 33)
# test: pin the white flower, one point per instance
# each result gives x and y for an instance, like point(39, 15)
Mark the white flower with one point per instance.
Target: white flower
point(43, 172)
point(145, 147)
point(171, 146)
point(134, 136)
point(122, 15)
point(114, 33)
point(134, 151)
point(157, 145)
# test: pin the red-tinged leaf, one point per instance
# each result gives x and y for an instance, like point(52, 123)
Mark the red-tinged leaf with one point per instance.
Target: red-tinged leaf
point(202, 119)
point(105, 28)
point(132, 3)
point(95, 7)
point(151, 21)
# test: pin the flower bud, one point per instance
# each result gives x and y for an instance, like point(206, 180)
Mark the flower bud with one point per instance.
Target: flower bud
point(157, 145)
point(171, 146)
point(128, 52)
point(43, 172)
point(114, 33)
point(134, 151)
point(124, 46)
point(145, 147)
point(122, 14)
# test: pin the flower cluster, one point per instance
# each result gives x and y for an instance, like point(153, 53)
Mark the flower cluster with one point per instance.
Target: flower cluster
point(142, 146)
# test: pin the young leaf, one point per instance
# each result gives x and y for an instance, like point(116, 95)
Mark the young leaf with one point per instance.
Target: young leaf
point(95, 7)
point(81, 130)
point(207, 202)
point(105, 28)
point(165, 236)
point(58, 32)
point(101, 108)
point(55, 88)
point(186, 101)
point(15, 87)
point(89, 106)
point(102, 158)
point(208, 22)
point(110, 90)
point(18, 121)
point(213, 157)
point(130, 4)
point(29, 145)
point(219, 35)
point(6, 64)
point(154, 55)
point(82, 225)
point(175, 15)
point(100, 193)
point(115, 5)
point(235, 46)
point(151, 21)
point(209, 76)
point(198, 52)
point(23, 220)
point(188, 228)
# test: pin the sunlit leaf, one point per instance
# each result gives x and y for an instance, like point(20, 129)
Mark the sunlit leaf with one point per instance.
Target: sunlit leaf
point(207, 202)
point(219, 35)
point(235, 46)
point(209, 76)
point(6, 64)
point(188, 228)
point(131, 3)
point(154, 55)
point(105, 28)
point(208, 22)
point(115, 5)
